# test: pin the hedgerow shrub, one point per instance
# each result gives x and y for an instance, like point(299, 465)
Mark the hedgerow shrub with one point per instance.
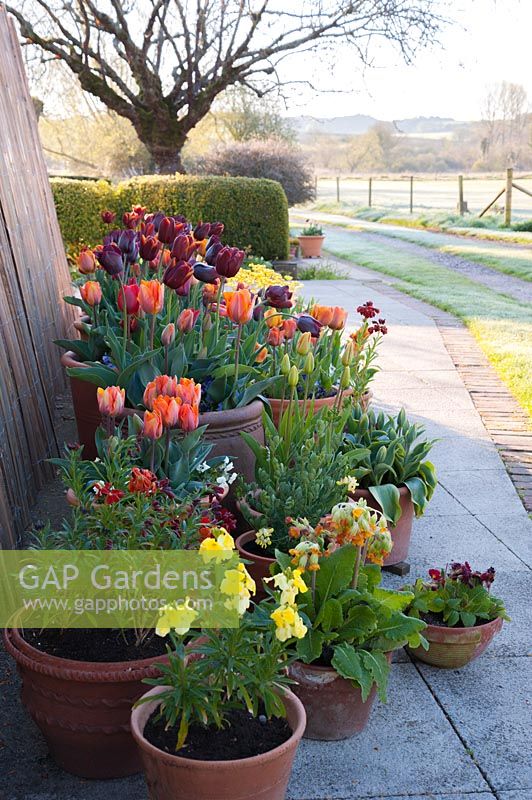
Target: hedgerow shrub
point(255, 212)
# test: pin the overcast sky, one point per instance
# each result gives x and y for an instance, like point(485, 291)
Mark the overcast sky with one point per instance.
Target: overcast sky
point(489, 42)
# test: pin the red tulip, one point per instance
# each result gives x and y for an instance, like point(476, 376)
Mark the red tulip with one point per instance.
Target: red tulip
point(130, 292)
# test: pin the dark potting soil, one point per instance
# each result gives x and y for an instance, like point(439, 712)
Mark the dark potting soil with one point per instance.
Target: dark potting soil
point(432, 618)
point(245, 736)
point(90, 644)
point(325, 659)
point(256, 550)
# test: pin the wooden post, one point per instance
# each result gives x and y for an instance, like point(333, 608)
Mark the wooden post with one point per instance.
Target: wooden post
point(369, 191)
point(337, 190)
point(460, 194)
point(411, 194)
point(508, 197)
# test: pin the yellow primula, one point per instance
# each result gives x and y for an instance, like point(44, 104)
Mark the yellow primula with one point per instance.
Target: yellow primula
point(288, 623)
point(263, 537)
point(290, 583)
point(218, 547)
point(176, 618)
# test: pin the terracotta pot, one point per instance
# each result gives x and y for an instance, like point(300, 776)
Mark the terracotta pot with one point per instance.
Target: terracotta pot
point(224, 426)
point(279, 406)
point(311, 246)
point(450, 648)
point(259, 568)
point(402, 531)
point(334, 706)
point(83, 708)
point(263, 777)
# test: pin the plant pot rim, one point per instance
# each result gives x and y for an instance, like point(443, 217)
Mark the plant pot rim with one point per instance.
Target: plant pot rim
point(311, 236)
point(87, 671)
point(456, 633)
point(246, 537)
point(197, 764)
point(363, 493)
point(316, 401)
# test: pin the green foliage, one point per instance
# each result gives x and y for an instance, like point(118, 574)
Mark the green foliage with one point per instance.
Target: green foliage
point(312, 230)
point(320, 272)
point(353, 622)
point(254, 211)
point(396, 456)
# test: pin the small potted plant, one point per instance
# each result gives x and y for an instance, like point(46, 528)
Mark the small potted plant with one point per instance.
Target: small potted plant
point(353, 623)
point(395, 475)
point(221, 721)
point(462, 615)
point(311, 241)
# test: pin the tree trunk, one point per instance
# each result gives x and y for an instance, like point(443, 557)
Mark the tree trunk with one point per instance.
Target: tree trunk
point(164, 137)
point(166, 158)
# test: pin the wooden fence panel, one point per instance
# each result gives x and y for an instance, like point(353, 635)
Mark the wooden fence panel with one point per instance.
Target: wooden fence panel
point(34, 276)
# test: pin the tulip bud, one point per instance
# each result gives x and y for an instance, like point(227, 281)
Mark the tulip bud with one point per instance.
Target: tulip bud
point(285, 365)
point(347, 355)
point(111, 400)
point(91, 293)
point(86, 262)
point(167, 230)
point(293, 376)
point(136, 423)
point(108, 216)
point(153, 425)
point(206, 324)
point(187, 319)
point(168, 335)
point(308, 366)
point(345, 380)
point(304, 344)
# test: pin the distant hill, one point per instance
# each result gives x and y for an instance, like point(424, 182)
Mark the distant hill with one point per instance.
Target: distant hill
point(361, 123)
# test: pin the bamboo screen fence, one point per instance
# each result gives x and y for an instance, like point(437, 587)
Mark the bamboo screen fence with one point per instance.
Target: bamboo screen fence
point(33, 278)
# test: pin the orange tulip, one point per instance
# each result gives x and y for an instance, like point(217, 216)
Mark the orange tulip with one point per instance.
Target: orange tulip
point(289, 328)
point(91, 293)
point(86, 261)
point(163, 384)
point(151, 296)
point(168, 409)
point(239, 305)
point(339, 318)
point(262, 353)
point(188, 417)
point(189, 392)
point(272, 318)
point(187, 319)
point(153, 425)
point(323, 314)
point(275, 337)
point(111, 401)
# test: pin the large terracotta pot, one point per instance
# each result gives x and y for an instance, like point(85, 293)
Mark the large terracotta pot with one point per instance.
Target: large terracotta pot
point(334, 706)
point(402, 532)
point(263, 777)
point(279, 406)
point(223, 431)
point(450, 648)
point(83, 708)
point(259, 566)
point(311, 246)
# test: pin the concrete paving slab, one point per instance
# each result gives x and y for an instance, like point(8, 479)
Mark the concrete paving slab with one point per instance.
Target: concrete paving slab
point(484, 492)
point(440, 424)
point(444, 400)
point(517, 794)
point(489, 703)
point(407, 748)
point(515, 529)
point(438, 379)
point(443, 504)
point(464, 454)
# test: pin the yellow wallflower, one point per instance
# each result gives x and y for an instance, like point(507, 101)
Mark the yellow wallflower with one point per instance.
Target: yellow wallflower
point(239, 585)
point(175, 618)
point(217, 548)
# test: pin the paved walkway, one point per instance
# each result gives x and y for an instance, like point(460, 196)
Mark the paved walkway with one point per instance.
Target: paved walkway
point(443, 735)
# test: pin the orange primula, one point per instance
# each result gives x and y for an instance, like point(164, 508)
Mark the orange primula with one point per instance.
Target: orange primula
point(239, 305)
point(151, 296)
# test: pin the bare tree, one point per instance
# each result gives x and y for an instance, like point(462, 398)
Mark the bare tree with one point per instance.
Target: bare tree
point(162, 63)
point(505, 119)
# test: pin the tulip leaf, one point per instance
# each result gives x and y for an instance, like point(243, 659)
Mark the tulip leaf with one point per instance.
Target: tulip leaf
point(94, 373)
point(253, 391)
point(388, 496)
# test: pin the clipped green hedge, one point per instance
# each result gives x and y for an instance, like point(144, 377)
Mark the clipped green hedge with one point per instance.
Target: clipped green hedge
point(254, 210)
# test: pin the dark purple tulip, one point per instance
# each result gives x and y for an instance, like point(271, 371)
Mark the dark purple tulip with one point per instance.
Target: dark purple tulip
point(112, 236)
point(205, 274)
point(166, 231)
point(307, 324)
point(129, 245)
point(108, 216)
point(202, 231)
point(258, 312)
point(184, 290)
point(278, 296)
point(213, 248)
point(148, 248)
point(110, 258)
point(177, 274)
point(183, 247)
point(217, 228)
point(155, 219)
point(228, 261)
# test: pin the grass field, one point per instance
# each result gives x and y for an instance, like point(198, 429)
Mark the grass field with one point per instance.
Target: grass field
point(503, 327)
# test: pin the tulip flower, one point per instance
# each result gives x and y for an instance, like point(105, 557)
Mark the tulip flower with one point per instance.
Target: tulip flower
point(262, 353)
point(205, 273)
point(168, 335)
point(187, 319)
point(307, 324)
point(183, 247)
point(188, 417)
point(110, 258)
point(214, 246)
point(202, 231)
point(86, 261)
point(161, 385)
point(148, 248)
point(275, 337)
point(153, 425)
point(151, 297)
point(216, 229)
point(228, 261)
point(239, 306)
point(323, 314)
point(128, 242)
point(108, 216)
point(289, 328)
point(129, 292)
point(339, 318)
point(304, 344)
point(189, 392)
point(278, 296)
point(155, 220)
point(130, 220)
point(168, 409)
point(111, 400)
point(167, 231)
point(91, 293)
point(184, 290)
point(139, 211)
point(177, 274)
point(272, 318)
